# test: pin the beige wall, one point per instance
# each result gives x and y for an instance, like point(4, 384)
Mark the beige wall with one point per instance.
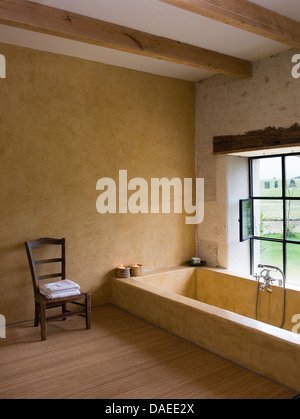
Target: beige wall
point(227, 106)
point(64, 124)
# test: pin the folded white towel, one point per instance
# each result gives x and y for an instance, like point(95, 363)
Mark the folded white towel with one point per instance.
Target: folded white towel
point(60, 289)
point(66, 284)
point(62, 294)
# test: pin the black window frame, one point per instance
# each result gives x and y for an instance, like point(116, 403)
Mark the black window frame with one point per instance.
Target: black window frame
point(284, 198)
point(244, 237)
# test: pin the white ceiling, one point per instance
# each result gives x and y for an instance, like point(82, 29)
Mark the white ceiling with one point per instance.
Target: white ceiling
point(161, 19)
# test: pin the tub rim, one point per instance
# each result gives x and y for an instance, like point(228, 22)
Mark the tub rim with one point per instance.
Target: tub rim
point(148, 273)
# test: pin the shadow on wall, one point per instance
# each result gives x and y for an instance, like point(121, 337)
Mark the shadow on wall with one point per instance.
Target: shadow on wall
point(16, 296)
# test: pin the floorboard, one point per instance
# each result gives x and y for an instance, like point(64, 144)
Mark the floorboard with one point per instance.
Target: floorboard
point(121, 357)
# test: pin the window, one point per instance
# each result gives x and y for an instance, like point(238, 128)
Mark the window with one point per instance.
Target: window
point(246, 224)
point(271, 217)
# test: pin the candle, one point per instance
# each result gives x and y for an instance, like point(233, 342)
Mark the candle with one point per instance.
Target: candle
point(123, 271)
point(136, 269)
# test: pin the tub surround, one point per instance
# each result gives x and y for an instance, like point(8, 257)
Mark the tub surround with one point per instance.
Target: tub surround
point(169, 299)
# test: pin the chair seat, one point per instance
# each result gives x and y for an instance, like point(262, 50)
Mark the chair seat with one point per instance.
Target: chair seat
point(39, 298)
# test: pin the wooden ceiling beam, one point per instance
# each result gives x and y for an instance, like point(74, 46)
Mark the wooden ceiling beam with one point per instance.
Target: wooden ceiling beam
point(244, 14)
point(266, 139)
point(52, 21)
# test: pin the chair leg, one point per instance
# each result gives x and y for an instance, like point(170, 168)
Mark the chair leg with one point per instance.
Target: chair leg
point(43, 321)
point(64, 310)
point(37, 315)
point(88, 310)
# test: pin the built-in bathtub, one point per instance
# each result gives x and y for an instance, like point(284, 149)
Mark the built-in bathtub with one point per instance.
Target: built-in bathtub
point(215, 309)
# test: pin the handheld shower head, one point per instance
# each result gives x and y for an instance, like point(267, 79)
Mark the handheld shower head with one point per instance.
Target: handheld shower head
point(275, 268)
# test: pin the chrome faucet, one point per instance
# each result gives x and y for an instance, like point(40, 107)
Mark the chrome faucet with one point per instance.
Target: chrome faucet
point(267, 278)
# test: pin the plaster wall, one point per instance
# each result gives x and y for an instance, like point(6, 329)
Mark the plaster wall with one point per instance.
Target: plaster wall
point(64, 124)
point(227, 106)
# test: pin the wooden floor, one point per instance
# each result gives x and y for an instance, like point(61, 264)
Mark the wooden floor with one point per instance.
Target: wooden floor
point(121, 357)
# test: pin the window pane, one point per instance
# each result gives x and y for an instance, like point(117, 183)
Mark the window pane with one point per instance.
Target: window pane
point(293, 264)
point(245, 219)
point(268, 253)
point(293, 220)
point(267, 177)
point(268, 218)
point(292, 167)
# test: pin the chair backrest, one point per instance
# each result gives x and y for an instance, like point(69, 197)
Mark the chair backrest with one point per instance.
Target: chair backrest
point(30, 245)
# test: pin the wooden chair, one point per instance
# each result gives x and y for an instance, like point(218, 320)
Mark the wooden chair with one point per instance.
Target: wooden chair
point(41, 302)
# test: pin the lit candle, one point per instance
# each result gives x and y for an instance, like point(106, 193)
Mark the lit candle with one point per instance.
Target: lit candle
point(123, 272)
point(136, 270)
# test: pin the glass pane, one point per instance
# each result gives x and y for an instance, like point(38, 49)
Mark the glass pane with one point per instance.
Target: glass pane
point(292, 167)
point(267, 177)
point(268, 218)
point(293, 264)
point(246, 219)
point(268, 253)
point(293, 220)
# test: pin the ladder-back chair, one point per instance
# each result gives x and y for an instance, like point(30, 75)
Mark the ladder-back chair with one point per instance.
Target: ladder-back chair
point(41, 302)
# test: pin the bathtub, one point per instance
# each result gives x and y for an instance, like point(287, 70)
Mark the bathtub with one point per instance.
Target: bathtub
point(215, 309)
